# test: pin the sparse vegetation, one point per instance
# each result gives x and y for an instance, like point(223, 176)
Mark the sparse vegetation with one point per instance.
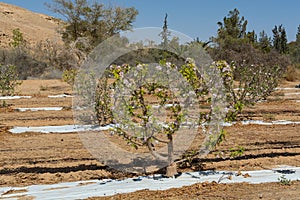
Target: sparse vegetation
point(43, 88)
point(284, 181)
point(269, 117)
point(4, 104)
point(237, 151)
point(69, 76)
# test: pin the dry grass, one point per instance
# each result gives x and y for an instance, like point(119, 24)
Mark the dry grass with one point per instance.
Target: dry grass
point(292, 74)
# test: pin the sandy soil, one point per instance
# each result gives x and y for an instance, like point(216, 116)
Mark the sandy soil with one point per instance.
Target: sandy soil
point(34, 26)
point(34, 158)
point(214, 191)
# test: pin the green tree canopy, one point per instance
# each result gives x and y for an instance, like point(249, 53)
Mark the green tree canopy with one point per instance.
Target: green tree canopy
point(294, 49)
point(92, 21)
point(298, 36)
point(264, 42)
point(231, 29)
point(280, 39)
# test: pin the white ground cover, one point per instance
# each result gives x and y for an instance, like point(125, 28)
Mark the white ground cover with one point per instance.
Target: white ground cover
point(28, 97)
point(59, 129)
point(278, 122)
point(108, 187)
point(79, 128)
point(60, 96)
point(39, 109)
point(292, 93)
point(14, 97)
point(294, 88)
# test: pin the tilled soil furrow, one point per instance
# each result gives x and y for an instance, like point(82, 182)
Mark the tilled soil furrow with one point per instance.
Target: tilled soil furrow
point(41, 170)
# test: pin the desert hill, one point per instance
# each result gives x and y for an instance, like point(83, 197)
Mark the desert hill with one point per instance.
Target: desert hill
point(34, 26)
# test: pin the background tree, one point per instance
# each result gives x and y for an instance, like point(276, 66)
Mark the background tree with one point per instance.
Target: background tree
point(298, 36)
point(92, 21)
point(284, 46)
point(264, 42)
point(280, 39)
point(251, 37)
point(165, 34)
point(232, 39)
point(294, 48)
point(234, 44)
point(231, 29)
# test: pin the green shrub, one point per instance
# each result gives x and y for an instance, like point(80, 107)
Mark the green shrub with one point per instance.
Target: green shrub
point(69, 75)
point(17, 38)
point(8, 79)
point(236, 152)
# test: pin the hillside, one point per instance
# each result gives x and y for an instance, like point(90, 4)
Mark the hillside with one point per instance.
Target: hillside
point(34, 26)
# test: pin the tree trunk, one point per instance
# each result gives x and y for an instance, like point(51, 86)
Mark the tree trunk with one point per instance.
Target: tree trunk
point(172, 168)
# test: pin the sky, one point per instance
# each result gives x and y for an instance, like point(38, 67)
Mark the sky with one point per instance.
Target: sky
point(198, 18)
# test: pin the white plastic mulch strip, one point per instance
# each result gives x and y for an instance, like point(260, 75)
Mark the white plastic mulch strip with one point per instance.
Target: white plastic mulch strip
point(79, 128)
point(59, 129)
point(109, 187)
point(259, 122)
point(287, 88)
point(292, 93)
point(40, 109)
point(166, 106)
point(14, 97)
point(223, 123)
point(237, 89)
point(28, 97)
point(294, 88)
point(60, 96)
